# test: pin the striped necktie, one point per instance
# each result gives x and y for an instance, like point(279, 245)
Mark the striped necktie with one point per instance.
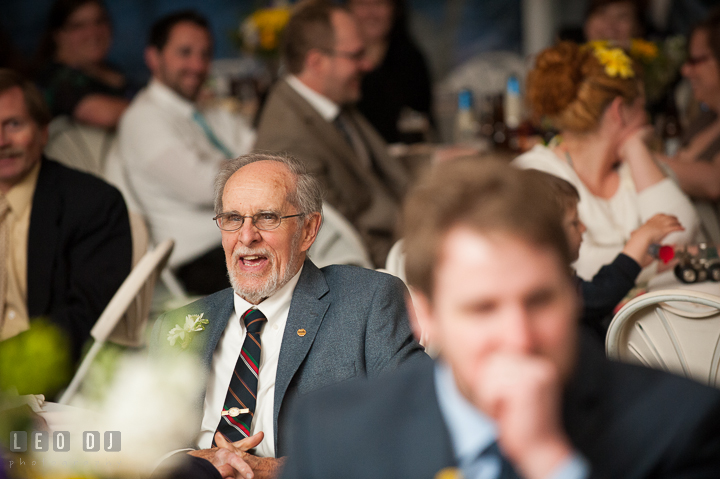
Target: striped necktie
point(239, 406)
point(211, 136)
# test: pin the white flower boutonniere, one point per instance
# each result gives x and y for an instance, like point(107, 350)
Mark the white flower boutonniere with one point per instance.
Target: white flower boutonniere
point(193, 324)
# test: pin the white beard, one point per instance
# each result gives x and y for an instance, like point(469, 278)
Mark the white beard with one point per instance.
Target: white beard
point(274, 281)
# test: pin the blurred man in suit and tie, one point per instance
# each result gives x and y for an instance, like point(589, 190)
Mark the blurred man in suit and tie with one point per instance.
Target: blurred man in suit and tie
point(286, 327)
point(515, 392)
point(310, 114)
point(169, 149)
point(65, 242)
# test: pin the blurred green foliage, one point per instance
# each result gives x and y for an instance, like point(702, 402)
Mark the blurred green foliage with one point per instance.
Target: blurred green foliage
point(37, 361)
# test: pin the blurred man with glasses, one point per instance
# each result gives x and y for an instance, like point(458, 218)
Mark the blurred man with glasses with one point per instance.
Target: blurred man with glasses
point(286, 327)
point(65, 242)
point(311, 115)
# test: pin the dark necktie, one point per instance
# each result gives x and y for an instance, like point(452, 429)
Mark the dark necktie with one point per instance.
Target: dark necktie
point(239, 406)
point(507, 471)
point(352, 135)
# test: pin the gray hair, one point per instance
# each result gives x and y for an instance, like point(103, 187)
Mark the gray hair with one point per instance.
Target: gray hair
point(306, 197)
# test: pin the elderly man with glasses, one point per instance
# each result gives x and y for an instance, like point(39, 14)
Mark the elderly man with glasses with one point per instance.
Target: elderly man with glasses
point(315, 327)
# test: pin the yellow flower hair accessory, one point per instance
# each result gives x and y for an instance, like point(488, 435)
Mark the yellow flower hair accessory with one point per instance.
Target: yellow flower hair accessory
point(615, 61)
point(598, 44)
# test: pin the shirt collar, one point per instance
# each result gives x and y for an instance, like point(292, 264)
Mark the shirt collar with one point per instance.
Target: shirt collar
point(327, 108)
point(167, 97)
point(19, 197)
point(272, 305)
point(471, 431)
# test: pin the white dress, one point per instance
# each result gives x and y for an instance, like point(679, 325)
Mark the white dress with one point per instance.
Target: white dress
point(610, 221)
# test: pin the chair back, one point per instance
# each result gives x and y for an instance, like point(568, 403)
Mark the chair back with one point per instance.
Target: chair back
point(338, 242)
point(395, 262)
point(124, 319)
point(140, 236)
point(79, 146)
point(676, 331)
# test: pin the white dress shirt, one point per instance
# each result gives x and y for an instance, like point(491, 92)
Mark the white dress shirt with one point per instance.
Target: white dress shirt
point(275, 309)
point(169, 165)
point(327, 108)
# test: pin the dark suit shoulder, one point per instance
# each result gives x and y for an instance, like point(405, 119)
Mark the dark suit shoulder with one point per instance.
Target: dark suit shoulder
point(631, 386)
point(215, 308)
point(82, 185)
point(388, 427)
point(631, 421)
point(363, 398)
point(359, 276)
point(203, 304)
point(79, 196)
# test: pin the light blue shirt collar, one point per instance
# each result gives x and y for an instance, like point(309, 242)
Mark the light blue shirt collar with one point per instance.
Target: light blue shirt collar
point(471, 431)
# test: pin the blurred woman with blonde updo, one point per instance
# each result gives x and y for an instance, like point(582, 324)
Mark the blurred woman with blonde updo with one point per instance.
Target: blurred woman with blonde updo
point(593, 96)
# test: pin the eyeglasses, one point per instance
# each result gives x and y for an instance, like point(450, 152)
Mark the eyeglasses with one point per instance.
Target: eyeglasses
point(693, 61)
point(354, 56)
point(261, 221)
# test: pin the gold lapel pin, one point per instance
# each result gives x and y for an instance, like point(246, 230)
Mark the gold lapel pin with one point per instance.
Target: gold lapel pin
point(234, 412)
point(449, 473)
point(301, 332)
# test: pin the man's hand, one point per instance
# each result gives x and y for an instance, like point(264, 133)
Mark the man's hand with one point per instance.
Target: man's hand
point(262, 467)
point(522, 394)
point(228, 457)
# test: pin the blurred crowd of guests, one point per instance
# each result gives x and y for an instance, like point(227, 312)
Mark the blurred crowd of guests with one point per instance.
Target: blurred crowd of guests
point(352, 78)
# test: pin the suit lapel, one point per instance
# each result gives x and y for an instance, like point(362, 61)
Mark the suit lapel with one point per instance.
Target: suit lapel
point(221, 306)
point(326, 132)
point(217, 309)
point(425, 429)
point(43, 235)
point(307, 311)
point(582, 400)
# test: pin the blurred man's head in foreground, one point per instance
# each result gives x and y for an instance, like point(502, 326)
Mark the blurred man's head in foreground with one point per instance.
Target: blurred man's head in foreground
point(488, 257)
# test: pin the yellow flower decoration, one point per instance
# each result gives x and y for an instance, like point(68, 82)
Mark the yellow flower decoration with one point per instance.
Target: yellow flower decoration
point(270, 23)
point(598, 44)
point(616, 62)
point(643, 49)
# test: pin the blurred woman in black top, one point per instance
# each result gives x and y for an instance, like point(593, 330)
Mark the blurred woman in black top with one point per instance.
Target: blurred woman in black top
point(399, 78)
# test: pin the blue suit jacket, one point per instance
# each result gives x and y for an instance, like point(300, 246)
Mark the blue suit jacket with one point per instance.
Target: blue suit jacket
point(356, 326)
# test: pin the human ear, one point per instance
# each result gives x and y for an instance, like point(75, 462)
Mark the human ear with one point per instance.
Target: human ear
point(315, 60)
point(421, 317)
point(152, 59)
point(311, 227)
point(616, 111)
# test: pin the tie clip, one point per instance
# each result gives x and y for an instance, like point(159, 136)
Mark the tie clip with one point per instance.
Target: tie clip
point(235, 411)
